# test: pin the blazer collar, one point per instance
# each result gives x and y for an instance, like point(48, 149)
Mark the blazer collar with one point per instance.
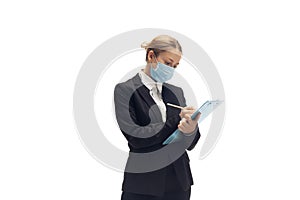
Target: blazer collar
point(142, 90)
point(149, 82)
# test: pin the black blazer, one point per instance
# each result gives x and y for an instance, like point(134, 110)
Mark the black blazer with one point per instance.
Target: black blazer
point(133, 97)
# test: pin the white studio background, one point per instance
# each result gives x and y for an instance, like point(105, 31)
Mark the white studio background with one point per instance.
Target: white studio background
point(254, 45)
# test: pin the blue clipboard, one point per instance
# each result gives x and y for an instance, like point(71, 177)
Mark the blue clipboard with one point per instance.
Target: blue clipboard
point(205, 110)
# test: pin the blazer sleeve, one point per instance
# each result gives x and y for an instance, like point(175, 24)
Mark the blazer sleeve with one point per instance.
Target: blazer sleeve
point(136, 135)
point(193, 138)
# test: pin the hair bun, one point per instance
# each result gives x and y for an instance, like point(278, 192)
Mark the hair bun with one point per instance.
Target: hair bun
point(145, 45)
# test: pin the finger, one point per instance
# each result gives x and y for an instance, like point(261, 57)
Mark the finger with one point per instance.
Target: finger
point(185, 129)
point(183, 113)
point(197, 117)
point(180, 128)
point(188, 108)
point(190, 112)
point(180, 114)
point(183, 120)
point(188, 118)
point(183, 123)
point(187, 112)
point(194, 122)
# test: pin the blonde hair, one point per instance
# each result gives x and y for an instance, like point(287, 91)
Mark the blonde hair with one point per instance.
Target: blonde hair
point(160, 44)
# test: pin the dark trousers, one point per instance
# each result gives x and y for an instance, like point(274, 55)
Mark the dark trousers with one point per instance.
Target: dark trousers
point(175, 195)
point(173, 190)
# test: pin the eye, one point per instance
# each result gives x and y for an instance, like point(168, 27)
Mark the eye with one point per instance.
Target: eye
point(167, 63)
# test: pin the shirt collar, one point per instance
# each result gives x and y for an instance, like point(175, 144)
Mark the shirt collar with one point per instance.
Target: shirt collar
point(148, 81)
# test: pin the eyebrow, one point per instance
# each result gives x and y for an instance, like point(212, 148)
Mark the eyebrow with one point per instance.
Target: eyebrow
point(172, 60)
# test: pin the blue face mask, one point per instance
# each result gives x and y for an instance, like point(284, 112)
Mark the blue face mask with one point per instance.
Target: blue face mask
point(162, 73)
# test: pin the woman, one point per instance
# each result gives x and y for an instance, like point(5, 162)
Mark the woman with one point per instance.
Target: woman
point(147, 121)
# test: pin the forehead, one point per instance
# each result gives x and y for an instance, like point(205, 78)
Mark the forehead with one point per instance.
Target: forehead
point(175, 56)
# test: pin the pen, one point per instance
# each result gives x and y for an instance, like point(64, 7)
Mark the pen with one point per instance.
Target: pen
point(175, 106)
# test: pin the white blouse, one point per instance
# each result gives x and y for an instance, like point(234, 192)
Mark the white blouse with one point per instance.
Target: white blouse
point(155, 90)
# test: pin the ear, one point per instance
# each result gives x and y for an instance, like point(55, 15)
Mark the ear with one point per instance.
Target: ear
point(151, 56)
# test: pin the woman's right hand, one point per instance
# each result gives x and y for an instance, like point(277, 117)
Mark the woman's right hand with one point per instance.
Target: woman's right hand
point(186, 124)
point(189, 110)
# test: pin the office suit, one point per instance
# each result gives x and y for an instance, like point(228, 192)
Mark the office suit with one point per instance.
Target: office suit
point(176, 177)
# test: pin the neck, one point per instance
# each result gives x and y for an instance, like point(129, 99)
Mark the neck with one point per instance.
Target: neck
point(147, 70)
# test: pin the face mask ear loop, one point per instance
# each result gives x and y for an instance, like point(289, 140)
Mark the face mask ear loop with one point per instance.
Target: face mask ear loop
point(155, 58)
point(156, 62)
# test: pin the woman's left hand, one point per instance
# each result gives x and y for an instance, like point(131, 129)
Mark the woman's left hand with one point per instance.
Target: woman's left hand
point(186, 124)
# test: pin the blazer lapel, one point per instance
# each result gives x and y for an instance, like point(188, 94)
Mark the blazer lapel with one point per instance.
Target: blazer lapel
point(142, 90)
point(169, 97)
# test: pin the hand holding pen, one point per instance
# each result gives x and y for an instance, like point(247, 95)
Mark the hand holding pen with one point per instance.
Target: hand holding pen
point(186, 124)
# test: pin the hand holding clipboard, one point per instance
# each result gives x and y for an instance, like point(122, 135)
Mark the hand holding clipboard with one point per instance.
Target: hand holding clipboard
point(205, 110)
